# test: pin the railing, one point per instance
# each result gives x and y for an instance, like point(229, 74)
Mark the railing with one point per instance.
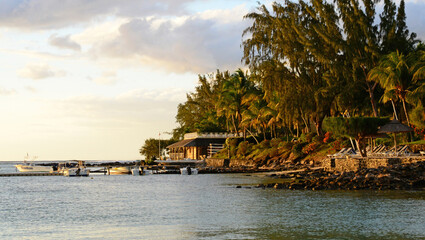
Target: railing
point(214, 148)
point(176, 156)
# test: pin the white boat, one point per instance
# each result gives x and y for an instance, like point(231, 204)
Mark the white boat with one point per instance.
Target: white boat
point(74, 169)
point(31, 167)
point(188, 171)
point(76, 172)
point(136, 171)
point(120, 170)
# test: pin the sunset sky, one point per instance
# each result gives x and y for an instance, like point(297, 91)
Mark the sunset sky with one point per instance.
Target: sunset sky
point(93, 79)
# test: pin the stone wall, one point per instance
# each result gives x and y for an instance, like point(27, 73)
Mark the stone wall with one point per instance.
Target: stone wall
point(219, 162)
point(354, 164)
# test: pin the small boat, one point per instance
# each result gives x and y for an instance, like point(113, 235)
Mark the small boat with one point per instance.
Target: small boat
point(120, 170)
point(31, 167)
point(74, 169)
point(76, 172)
point(188, 171)
point(135, 171)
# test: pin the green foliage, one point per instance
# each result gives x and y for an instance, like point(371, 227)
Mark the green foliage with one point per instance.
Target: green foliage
point(354, 126)
point(297, 149)
point(150, 148)
point(417, 116)
point(243, 149)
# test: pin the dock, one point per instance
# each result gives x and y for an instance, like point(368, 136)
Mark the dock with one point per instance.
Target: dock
point(28, 174)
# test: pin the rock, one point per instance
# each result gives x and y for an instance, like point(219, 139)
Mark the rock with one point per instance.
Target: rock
point(369, 175)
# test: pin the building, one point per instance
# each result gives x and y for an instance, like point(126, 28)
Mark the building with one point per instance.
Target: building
point(198, 145)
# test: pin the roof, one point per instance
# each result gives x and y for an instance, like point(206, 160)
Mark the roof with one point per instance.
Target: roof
point(197, 142)
point(394, 127)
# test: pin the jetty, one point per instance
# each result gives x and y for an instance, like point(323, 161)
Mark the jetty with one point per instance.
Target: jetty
point(29, 174)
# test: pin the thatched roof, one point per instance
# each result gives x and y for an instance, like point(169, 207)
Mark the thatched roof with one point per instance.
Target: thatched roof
point(395, 127)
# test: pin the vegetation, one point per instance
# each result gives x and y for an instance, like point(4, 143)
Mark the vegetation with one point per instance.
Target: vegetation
point(309, 60)
point(358, 128)
point(153, 147)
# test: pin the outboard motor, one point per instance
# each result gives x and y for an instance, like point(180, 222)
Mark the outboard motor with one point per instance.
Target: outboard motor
point(189, 170)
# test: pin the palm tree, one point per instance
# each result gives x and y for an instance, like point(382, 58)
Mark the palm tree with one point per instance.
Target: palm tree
point(230, 101)
point(395, 76)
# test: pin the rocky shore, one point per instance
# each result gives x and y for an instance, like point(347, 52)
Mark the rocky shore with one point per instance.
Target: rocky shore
point(394, 177)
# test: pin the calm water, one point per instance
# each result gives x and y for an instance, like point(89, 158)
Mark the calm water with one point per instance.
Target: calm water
point(198, 207)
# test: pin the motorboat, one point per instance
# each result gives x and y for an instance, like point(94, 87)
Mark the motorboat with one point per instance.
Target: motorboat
point(188, 171)
point(120, 170)
point(135, 171)
point(76, 172)
point(31, 167)
point(74, 169)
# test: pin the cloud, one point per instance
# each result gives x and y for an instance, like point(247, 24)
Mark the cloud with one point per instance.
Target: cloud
point(53, 14)
point(140, 106)
point(416, 18)
point(5, 92)
point(107, 78)
point(40, 71)
point(64, 42)
point(199, 43)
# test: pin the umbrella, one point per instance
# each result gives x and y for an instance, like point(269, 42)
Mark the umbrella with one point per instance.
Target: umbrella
point(395, 127)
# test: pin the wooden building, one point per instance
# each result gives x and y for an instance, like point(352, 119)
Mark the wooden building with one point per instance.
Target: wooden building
point(198, 145)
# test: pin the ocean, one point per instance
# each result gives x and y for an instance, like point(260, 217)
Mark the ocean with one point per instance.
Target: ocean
point(206, 206)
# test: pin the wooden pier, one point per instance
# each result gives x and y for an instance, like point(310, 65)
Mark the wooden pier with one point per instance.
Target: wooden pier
point(28, 174)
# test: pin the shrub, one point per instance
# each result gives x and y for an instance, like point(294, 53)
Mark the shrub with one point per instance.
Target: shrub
point(317, 139)
point(307, 137)
point(243, 149)
point(328, 137)
point(309, 148)
point(297, 148)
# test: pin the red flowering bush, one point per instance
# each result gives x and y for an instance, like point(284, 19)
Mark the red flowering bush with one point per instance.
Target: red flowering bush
point(328, 137)
point(420, 132)
point(309, 148)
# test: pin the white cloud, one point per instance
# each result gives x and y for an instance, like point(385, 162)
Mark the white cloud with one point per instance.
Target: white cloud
point(416, 18)
point(196, 43)
point(5, 92)
point(107, 78)
point(64, 42)
point(40, 71)
point(50, 14)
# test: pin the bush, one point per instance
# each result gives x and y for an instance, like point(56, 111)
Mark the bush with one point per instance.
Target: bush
point(340, 143)
point(309, 148)
point(243, 149)
point(328, 137)
point(297, 148)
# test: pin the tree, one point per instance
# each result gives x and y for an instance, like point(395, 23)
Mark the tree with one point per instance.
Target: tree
point(395, 76)
point(230, 102)
point(151, 148)
point(198, 113)
point(357, 127)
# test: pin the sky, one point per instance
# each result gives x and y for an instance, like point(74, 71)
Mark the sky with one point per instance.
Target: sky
point(93, 79)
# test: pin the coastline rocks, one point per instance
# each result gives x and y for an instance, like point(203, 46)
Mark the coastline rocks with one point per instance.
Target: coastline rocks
point(396, 177)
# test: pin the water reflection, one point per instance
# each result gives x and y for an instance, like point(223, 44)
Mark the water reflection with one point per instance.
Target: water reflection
point(199, 207)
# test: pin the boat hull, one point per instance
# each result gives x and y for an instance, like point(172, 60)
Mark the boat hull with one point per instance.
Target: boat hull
point(188, 171)
point(76, 172)
point(33, 168)
point(120, 170)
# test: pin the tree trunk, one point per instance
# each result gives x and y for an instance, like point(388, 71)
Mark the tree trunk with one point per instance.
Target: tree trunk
point(253, 136)
point(405, 111)
point(318, 121)
point(370, 90)
point(361, 147)
point(395, 111)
